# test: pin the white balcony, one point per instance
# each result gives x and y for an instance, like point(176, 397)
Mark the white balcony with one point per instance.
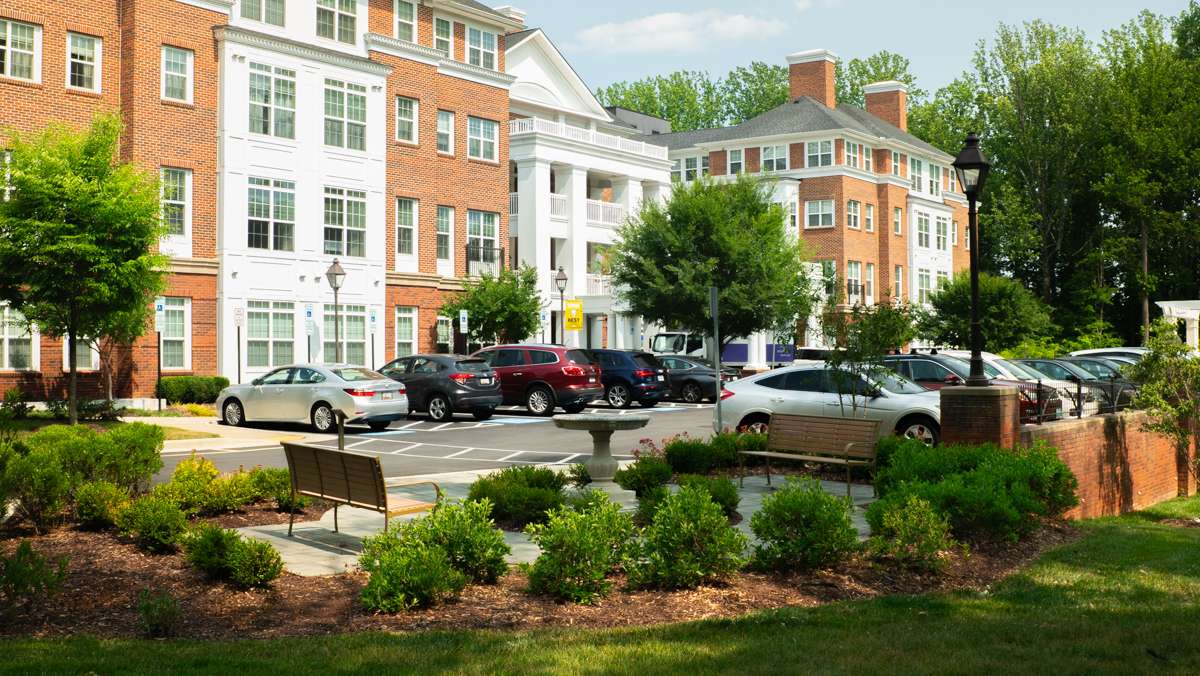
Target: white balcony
point(560, 208)
point(605, 213)
point(512, 203)
point(599, 285)
point(536, 125)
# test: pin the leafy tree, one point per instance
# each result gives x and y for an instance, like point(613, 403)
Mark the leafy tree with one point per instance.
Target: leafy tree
point(729, 235)
point(880, 66)
point(753, 90)
point(499, 309)
point(1168, 380)
point(77, 238)
point(1186, 31)
point(689, 99)
point(948, 116)
point(1009, 313)
point(862, 335)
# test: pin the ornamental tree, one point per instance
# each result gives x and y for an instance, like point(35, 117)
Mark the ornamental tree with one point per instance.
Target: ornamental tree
point(1008, 313)
point(503, 308)
point(1168, 380)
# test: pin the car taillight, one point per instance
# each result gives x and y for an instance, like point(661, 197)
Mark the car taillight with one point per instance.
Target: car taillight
point(644, 373)
point(460, 378)
point(354, 392)
point(574, 371)
point(725, 394)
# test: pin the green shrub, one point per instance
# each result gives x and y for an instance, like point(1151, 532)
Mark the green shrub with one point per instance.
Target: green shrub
point(689, 542)
point(200, 410)
point(188, 487)
point(38, 482)
point(126, 455)
point(579, 550)
point(720, 489)
point(253, 563)
point(913, 461)
point(464, 531)
point(27, 577)
point(801, 527)
point(887, 446)
point(159, 613)
point(97, 409)
point(578, 475)
point(521, 494)
point(155, 523)
point(97, 504)
point(272, 483)
point(648, 504)
point(191, 389)
point(751, 442)
point(643, 474)
point(412, 574)
point(688, 456)
point(723, 450)
point(913, 534)
point(227, 493)
point(207, 547)
point(15, 405)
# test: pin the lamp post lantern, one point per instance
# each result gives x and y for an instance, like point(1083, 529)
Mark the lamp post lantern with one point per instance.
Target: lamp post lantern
point(336, 275)
point(560, 281)
point(972, 168)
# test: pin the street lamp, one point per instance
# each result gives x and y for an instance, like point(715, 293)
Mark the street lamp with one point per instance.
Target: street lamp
point(336, 275)
point(972, 169)
point(560, 280)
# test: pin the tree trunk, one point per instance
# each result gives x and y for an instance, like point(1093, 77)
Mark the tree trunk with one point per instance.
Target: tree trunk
point(72, 386)
point(1145, 245)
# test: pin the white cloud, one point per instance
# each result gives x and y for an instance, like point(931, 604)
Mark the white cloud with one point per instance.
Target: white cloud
point(805, 5)
point(676, 32)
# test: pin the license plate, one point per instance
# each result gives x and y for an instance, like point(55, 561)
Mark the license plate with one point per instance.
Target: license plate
point(660, 379)
point(485, 381)
point(591, 380)
point(386, 396)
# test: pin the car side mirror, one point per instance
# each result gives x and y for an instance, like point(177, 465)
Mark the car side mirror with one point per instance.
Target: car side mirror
point(257, 382)
point(952, 380)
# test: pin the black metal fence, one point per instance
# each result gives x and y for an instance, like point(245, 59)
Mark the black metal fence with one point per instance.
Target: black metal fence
point(1043, 403)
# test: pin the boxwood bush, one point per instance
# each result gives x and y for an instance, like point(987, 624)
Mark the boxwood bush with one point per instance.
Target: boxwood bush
point(689, 542)
point(207, 547)
point(191, 389)
point(580, 549)
point(253, 563)
point(719, 488)
point(643, 474)
point(521, 494)
point(97, 504)
point(912, 534)
point(464, 531)
point(37, 481)
point(156, 524)
point(275, 483)
point(801, 527)
point(410, 574)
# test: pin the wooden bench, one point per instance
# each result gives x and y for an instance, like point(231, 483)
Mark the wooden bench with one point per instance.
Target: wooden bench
point(350, 479)
point(814, 438)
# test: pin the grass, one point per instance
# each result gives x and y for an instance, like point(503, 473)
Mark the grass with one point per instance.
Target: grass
point(1125, 598)
point(27, 426)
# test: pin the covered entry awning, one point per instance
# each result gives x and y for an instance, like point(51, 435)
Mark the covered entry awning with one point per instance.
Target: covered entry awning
point(1187, 311)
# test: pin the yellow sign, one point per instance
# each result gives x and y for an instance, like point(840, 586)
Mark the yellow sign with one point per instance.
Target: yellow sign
point(574, 316)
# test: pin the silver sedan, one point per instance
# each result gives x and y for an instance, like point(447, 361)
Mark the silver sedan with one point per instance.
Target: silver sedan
point(316, 394)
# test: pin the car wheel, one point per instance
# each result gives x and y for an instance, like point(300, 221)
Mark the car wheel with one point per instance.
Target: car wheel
point(379, 425)
point(322, 418)
point(232, 413)
point(692, 393)
point(575, 408)
point(921, 428)
point(439, 409)
point(539, 401)
point(618, 396)
point(754, 424)
point(483, 413)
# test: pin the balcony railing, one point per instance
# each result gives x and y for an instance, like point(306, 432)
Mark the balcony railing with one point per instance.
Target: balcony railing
point(512, 203)
point(560, 208)
point(536, 125)
point(605, 213)
point(484, 260)
point(599, 285)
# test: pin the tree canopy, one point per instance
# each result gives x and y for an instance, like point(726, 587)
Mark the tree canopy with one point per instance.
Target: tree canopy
point(503, 308)
point(1008, 314)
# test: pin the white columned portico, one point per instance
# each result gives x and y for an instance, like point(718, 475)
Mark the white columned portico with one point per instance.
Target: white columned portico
point(533, 202)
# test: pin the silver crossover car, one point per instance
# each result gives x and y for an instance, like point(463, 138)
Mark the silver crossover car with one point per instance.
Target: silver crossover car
point(314, 394)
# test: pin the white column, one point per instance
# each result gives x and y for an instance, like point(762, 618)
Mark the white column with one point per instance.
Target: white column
point(575, 253)
point(533, 214)
point(633, 197)
point(1193, 334)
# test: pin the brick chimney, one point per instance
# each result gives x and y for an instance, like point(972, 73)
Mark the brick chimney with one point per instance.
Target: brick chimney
point(811, 73)
point(889, 102)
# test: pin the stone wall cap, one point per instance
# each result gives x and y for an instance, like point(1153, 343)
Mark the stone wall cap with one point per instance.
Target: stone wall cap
point(969, 391)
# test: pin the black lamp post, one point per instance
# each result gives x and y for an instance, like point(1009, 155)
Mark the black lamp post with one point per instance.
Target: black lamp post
point(972, 169)
point(560, 280)
point(336, 275)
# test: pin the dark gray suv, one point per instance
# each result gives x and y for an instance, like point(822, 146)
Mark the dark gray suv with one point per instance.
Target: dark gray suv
point(441, 384)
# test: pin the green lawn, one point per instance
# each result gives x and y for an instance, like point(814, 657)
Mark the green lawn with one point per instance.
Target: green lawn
point(1123, 599)
point(30, 425)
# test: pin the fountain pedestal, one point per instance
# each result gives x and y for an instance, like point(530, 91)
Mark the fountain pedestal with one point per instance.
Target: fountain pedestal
point(601, 466)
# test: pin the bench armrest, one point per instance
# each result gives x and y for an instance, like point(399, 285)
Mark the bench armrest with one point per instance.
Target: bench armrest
point(852, 444)
point(437, 489)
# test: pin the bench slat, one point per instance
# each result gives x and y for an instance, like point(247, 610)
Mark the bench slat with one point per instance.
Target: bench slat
point(822, 435)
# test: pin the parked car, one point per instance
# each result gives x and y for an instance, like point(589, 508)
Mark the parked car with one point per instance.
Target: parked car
point(541, 377)
point(630, 376)
point(1014, 371)
point(690, 379)
point(902, 406)
point(1115, 393)
point(316, 393)
point(441, 384)
point(1133, 354)
point(935, 371)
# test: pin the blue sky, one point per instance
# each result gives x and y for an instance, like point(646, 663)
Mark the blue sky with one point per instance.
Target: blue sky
point(615, 40)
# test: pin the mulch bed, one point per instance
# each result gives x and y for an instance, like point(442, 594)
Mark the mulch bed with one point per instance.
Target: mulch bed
point(1183, 523)
point(266, 514)
point(106, 573)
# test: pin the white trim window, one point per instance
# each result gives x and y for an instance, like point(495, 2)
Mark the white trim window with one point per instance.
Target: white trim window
point(270, 214)
point(774, 158)
point(916, 173)
point(406, 20)
point(353, 334)
point(406, 331)
point(176, 193)
point(481, 48)
point(898, 283)
point(85, 55)
point(177, 67)
point(677, 170)
point(691, 169)
point(272, 101)
point(270, 333)
point(942, 227)
point(852, 151)
point(266, 11)
point(854, 288)
point(6, 186)
point(828, 277)
point(869, 284)
point(922, 230)
point(407, 114)
point(895, 163)
point(445, 132)
point(935, 180)
point(345, 115)
point(443, 36)
point(736, 165)
point(954, 234)
point(20, 50)
point(177, 334)
point(943, 280)
point(445, 336)
point(87, 356)
point(818, 214)
point(345, 222)
point(967, 238)
point(951, 180)
point(853, 208)
point(406, 226)
point(870, 218)
point(793, 215)
point(868, 159)
point(338, 20)
point(445, 240)
point(482, 138)
point(924, 292)
point(820, 153)
point(19, 344)
point(897, 221)
point(482, 227)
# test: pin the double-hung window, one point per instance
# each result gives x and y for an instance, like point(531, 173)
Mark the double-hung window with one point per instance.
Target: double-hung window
point(943, 279)
point(774, 158)
point(852, 150)
point(17, 343)
point(6, 187)
point(691, 168)
point(853, 208)
point(406, 20)
point(942, 227)
point(895, 163)
point(445, 132)
point(177, 333)
point(406, 331)
point(922, 230)
point(270, 333)
point(337, 20)
point(869, 284)
point(177, 74)
point(677, 170)
point(481, 229)
point(272, 101)
point(406, 226)
point(854, 287)
point(345, 115)
point(829, 277)
point(897, 221)
point(19, 50)
point(820, 153)
point(869, 217)
point(445, 335)
point(735, 161)
point(443, 36)
point(352, 332)
point(818, 214)
point(481, 139)
point(271, 214)
point(267, 11)
point(868, 158)
point(84, 54)
point(345, 222)
point(481, 48)
point(407, 113)
point(924, 290)
point(935, 180)
point(898, 283)
point(176, 207)
point(954, 234)
point(916, 173)
point(704, 165)
point(445, 232)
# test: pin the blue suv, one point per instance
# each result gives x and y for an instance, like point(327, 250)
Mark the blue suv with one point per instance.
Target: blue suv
point(629, 376)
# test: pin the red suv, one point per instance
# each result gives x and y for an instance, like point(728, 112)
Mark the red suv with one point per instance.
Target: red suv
point(541, 377)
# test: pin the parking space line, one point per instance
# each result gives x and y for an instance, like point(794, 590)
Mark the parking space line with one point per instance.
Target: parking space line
point(510, 456)
point(412, 425)
point(407, 448)
point(569, 458)
point(364, 441)
point(465, 450)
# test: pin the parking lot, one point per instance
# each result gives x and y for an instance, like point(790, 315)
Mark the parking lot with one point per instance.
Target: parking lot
point(417, 446)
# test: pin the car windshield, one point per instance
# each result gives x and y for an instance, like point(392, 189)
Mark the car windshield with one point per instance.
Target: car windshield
point(472, 365)
point(578, 357)
point(962, 367)
point(1017, 370)
point(1097, 369)
point(895, 383)
point(354, 374)
point(667, 342)
point(1075, 370)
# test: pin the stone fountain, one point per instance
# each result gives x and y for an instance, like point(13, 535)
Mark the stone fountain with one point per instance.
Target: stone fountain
point(602, 466)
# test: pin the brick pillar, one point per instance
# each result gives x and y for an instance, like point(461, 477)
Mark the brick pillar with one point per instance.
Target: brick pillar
point(977, 415)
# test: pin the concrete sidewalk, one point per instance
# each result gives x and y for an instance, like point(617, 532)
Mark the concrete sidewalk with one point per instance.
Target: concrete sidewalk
point(314, 549)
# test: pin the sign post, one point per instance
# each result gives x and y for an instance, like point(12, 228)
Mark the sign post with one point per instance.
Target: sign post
point(712, 308)
point(160, 318)
point(239, 315)
point(462, 322)
point(374, 325)
point(309, 327)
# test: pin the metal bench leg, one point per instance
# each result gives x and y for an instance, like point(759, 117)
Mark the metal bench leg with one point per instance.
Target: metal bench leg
point(741, 471)
point(848, 497)
point(768, 470)
point(335, 524)
point(291, 515)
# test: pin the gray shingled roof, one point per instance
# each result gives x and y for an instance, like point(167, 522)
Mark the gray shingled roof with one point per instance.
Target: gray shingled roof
point(481, 6)
point(516, 36)
point(805, 114)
